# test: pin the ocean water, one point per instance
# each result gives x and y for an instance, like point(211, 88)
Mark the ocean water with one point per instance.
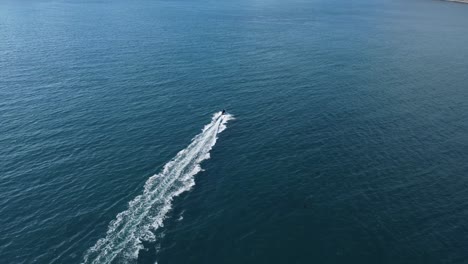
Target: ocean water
point(346, 139)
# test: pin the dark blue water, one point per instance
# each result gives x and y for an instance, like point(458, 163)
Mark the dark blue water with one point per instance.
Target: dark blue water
point(349, 144)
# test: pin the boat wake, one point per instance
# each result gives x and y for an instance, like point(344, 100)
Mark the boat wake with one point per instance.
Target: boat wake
point(146, 212)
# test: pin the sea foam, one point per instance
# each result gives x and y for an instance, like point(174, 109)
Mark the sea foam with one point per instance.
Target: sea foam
point(146, 212)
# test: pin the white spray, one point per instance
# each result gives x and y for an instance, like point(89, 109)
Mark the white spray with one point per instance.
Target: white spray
point(146, 212)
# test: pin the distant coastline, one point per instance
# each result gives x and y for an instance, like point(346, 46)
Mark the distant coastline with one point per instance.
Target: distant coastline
point(458, 1)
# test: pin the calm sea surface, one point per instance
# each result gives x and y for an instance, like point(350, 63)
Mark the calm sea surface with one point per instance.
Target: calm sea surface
point(348, 141)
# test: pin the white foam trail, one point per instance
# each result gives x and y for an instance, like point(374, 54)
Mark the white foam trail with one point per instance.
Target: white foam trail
point(146, 212)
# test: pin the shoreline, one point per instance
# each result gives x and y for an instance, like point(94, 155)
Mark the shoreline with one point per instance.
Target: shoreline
point(458, 1)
